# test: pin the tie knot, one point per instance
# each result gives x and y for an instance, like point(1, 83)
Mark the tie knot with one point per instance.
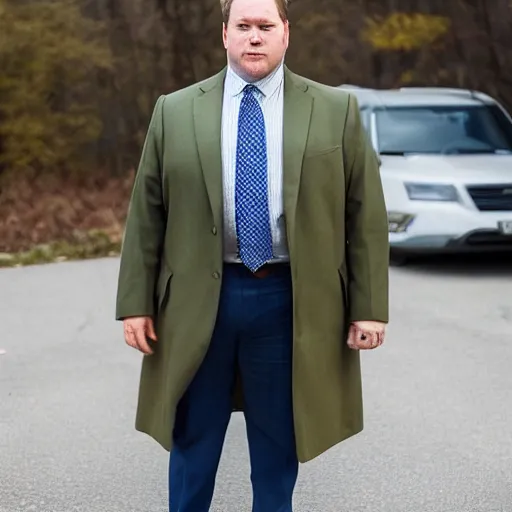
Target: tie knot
point(250, 90)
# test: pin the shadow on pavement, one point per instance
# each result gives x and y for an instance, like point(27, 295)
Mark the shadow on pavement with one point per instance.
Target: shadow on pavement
point(489, 264)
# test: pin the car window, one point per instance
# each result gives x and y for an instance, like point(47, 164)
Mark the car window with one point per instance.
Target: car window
point(443, 129)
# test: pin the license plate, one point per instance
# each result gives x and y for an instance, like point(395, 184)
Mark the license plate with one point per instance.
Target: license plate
point(505, 227)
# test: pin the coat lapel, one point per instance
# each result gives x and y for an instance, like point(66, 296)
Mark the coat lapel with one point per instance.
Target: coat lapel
point(297, 115)
point(207, 125)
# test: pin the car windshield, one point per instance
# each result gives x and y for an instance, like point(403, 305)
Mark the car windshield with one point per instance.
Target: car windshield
point(443, 129)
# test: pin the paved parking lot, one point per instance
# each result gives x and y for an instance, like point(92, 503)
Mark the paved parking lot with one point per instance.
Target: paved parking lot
point(438, 400)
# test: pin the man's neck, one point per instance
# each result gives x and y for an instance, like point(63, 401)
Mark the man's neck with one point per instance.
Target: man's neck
point(255, 81)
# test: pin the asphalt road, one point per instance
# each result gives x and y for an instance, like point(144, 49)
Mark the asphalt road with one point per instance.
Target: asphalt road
point(438, 399)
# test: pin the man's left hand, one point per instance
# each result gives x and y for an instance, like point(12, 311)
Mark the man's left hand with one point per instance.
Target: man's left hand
point(366, 335)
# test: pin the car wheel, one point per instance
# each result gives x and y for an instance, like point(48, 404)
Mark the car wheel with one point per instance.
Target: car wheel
point(398, 258)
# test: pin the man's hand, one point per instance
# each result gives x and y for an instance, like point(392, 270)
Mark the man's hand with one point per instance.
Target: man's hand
point(136, 330)
point(366, 335)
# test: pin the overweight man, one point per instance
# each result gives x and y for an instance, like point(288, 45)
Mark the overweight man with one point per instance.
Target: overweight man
point(254, 266)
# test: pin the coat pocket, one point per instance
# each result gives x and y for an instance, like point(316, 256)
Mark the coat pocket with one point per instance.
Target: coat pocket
point(321, 151)
point(163, 287)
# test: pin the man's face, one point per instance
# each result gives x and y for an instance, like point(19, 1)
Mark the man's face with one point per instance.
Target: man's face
point(256, 38)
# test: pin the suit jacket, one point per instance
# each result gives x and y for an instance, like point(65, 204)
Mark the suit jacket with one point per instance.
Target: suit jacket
point(172, 260)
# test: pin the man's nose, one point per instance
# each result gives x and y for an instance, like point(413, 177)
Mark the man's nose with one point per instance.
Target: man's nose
point(255, 37)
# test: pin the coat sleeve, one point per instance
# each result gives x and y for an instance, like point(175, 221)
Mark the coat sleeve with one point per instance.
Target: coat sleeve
point(144, 229)
point(366, 224)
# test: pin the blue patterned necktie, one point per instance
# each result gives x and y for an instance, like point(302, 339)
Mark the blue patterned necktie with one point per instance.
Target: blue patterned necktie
point(251, 194)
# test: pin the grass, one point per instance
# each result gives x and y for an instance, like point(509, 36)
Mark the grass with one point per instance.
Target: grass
point(62, 216)
point(92, 244)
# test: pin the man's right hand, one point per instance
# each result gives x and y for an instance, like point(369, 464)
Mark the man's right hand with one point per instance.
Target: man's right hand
point(136, 330)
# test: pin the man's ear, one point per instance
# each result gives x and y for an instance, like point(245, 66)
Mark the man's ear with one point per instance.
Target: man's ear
point(287, 32)
point(225, 35)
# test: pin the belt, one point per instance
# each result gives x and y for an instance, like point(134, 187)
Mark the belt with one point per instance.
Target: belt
point(264, 271)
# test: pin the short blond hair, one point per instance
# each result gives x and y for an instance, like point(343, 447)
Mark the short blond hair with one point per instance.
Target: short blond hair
point(282, 8)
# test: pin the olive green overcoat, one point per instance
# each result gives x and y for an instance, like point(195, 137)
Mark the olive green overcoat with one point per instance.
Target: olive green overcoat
point(171, 262)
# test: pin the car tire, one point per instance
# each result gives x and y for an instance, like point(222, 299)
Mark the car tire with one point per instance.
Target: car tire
point(398, 258)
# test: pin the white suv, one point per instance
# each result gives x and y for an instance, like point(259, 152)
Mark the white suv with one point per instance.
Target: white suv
point(446, 167)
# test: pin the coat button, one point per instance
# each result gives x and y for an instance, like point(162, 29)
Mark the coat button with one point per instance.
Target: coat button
point(216, 275)
point(214, 230)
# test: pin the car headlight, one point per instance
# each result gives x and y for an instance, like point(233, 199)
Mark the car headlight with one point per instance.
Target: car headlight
point(398, 222)
point(431, 192)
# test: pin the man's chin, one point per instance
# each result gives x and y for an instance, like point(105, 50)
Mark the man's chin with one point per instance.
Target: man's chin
point(255, 72)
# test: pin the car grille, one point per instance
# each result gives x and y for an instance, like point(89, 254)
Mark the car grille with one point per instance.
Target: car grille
point(492, 197)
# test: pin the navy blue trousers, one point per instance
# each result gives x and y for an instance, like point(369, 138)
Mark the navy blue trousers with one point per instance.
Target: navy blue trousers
point(253, 333)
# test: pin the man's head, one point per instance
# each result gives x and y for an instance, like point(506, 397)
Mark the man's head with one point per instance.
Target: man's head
point(255, 35)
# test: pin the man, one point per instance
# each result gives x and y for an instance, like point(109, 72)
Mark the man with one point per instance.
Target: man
point(254, 265)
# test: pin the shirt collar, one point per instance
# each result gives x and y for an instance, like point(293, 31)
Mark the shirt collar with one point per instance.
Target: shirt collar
point(267, 85)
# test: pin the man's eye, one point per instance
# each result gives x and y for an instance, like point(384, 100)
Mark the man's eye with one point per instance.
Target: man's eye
point(243, 27)
point(265, 27)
